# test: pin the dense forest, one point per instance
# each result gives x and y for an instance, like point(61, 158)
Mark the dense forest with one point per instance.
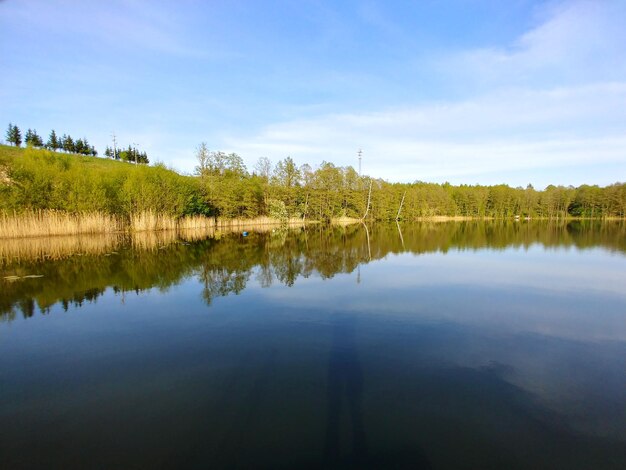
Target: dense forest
point(222, 186)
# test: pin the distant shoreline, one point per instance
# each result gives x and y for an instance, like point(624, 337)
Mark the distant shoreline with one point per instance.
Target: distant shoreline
point(45, 193)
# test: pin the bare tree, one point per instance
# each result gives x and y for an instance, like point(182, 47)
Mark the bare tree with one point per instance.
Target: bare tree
point(204, 160)
point(263, 168)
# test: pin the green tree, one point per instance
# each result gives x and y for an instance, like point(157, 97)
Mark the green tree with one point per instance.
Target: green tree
point(79, 146)
point(13, 135)
point(286, 178)
point(32, 139)
point(286, 173)
point(37, 139)
point(68, 144)
point(143, 158)
point(53, 142)
point(28, 138)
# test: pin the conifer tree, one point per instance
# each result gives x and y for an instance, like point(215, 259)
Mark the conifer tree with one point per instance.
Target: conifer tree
point(14, 136)
point(79, 146)
point(28, 138)
point(86, 147)
point(37, 140)
point(53, 142)
point(68, 144)
point(17, 136)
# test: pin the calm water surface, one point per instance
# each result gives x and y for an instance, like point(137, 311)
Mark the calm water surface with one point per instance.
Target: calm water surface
point(462, 345)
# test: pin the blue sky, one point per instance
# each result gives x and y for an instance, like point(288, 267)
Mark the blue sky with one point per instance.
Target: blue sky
point(463, 91)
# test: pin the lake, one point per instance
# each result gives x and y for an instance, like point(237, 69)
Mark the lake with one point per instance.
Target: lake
point(427, 345)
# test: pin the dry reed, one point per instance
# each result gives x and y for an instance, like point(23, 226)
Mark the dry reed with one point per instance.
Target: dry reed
point(150, 221)
point(21, 248)
point(196, 222)
point(48, 222)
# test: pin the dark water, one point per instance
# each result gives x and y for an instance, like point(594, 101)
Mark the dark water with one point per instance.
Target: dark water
point(463, 345)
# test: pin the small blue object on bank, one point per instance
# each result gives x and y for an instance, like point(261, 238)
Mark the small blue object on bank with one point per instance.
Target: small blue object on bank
point(245, 234)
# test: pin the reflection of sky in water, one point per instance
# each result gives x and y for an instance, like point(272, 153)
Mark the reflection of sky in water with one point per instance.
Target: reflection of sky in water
point(571, 294)
point(491, 357)
point(555, 318)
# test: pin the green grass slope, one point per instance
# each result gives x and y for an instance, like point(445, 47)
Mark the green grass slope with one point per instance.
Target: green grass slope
point(32, 179)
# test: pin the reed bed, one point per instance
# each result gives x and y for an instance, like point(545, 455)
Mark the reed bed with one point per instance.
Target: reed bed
point(22, 248)
point(44, 223)
point(151, 221)
point(196, 222)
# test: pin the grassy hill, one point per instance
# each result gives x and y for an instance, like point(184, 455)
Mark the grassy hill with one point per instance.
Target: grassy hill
point(34, 179)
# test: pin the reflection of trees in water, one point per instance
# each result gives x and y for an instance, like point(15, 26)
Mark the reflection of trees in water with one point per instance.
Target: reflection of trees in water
point(224, 266)
point(219, 282)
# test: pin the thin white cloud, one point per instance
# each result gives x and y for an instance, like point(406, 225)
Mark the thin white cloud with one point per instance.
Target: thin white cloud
point(557, 98)
point(121, 24)
point(579, 41)
point(502, 131)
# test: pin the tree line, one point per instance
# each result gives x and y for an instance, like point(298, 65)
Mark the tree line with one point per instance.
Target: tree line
point(222, 186)
point(285, 189)
point(67, 144)
point(131, 154)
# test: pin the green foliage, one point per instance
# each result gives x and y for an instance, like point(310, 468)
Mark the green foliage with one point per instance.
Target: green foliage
point(13, 135)
point(53, 142)
point(32, 139)
point(41, 179)
point(132, 155)
point(219, 164)
point(278, 210)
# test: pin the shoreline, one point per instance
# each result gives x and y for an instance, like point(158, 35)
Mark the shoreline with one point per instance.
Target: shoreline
point(51, 223)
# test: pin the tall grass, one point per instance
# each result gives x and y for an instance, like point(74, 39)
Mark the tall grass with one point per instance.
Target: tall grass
point(151, 221)
point(44, 223)
point(196, 222)
point(18, 250)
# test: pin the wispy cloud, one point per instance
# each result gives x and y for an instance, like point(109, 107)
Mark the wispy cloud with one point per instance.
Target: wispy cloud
point(503, 131)
point(122, 24)
point(577, 42)
point(556, 99)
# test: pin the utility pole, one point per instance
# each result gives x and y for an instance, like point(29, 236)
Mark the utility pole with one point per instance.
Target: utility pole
point(135, 151)
point(359, 153)
point(114, 147)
